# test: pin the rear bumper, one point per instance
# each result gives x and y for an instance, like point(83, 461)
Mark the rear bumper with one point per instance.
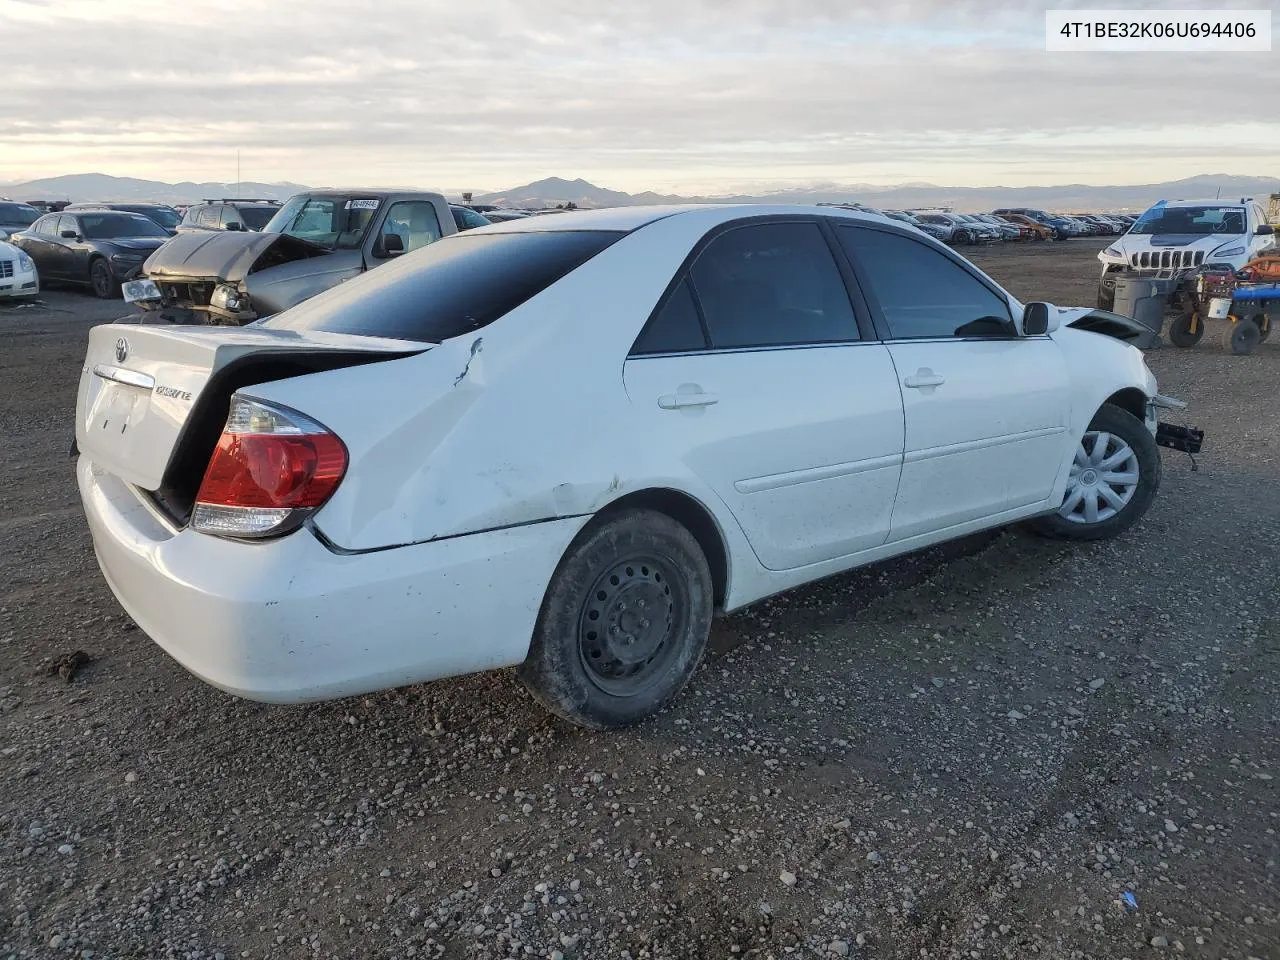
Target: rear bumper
point(288, 620)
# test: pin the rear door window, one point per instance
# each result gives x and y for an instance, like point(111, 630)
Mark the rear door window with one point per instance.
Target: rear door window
point(772, 284)
point(457, 285)
point(674, 327)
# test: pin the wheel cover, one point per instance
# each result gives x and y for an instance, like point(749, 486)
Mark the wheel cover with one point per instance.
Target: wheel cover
point(630, 625)
point(1104, 478)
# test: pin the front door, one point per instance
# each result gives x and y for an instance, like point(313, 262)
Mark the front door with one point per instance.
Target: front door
point(986, 409)
point(754, 369)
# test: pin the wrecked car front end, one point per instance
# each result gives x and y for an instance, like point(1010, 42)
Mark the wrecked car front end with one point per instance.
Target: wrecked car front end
point(230, 278)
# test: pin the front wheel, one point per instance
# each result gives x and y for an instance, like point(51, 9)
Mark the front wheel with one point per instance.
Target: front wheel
point(105, 286)
point(624, 621)
point(1113, 480)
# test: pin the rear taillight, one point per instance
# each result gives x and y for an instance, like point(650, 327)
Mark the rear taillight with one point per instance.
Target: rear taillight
point(271, 468)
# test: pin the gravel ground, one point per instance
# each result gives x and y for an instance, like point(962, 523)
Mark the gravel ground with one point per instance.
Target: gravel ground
point(971, 752)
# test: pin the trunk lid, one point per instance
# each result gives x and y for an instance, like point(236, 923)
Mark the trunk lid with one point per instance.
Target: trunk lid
point(147, 390)
point(224, 255)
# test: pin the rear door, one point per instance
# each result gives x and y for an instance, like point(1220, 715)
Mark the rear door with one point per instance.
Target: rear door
point(986, 409)
point(63, 249)
point(755, 368)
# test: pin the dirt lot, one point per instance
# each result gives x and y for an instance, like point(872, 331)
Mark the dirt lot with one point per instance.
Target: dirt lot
point(973, 752)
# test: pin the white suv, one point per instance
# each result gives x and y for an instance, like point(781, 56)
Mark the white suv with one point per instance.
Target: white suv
point(1177, 236)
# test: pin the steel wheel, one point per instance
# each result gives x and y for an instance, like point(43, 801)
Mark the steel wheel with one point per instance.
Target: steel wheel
point(629, 618)
point(1103, 479)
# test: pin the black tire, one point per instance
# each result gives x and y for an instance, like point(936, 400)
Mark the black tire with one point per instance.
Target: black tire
point(1263, 323)
point(1124, 425)
point(102, 281)
point(632, 666)
point(1242, 337)
point(1180, 332)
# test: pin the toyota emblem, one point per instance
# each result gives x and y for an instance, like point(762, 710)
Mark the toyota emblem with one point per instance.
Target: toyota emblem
point(122, 350)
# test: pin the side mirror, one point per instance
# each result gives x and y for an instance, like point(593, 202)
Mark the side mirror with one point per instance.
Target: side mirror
point(69, 235)
point(234, 226)
point(393, 244)
point(1264, 230)
point(1035, 320)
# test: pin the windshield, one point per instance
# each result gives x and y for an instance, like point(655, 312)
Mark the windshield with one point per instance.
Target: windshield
point(255, 218)
point(18, 214)
point(447, 288)
point(1198, 221)
point(338, 223)
point(110, 226)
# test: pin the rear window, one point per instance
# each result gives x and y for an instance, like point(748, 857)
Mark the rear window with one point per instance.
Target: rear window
point(448, 288)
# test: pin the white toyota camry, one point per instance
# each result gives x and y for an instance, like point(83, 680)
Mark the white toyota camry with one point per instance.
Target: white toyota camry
point(564, 443)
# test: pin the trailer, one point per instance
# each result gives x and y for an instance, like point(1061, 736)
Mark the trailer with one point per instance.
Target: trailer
point(1251, 309)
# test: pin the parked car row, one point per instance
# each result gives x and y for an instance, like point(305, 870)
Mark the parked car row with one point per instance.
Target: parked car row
point(334, 235)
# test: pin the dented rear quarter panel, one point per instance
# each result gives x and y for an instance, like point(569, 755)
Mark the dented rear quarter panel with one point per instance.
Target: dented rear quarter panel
point(525, 420)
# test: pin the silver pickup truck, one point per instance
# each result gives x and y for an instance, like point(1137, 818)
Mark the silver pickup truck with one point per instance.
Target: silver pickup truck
point(315, 241)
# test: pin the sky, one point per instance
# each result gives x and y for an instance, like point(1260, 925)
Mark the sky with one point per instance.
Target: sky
point(691, 96)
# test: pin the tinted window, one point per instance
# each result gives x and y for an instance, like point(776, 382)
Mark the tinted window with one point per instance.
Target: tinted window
point(921, 291)
point(108, 226)
point(67, 223)
point(208, 216)
point(449, 288)
point(229, 215)
point(255, 218)
point(772, 284)
point(414, 221)
point(674, 327)
point(47, 227)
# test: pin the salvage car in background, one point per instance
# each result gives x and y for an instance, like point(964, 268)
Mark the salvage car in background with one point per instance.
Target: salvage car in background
point(389, 483)
point(1176, 237)
point(15, 217)
point(315, 241)
point(164, 215)
point(233, 215)
point(1039, 231)
point(18, 274)
point(97, 248)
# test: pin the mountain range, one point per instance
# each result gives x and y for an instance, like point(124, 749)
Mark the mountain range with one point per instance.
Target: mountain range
point(555, 191)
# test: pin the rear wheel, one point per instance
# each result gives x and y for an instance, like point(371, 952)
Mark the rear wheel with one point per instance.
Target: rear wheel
point(102, 280)
point(624, 622)
point(1113, 480)
point(1186, 329)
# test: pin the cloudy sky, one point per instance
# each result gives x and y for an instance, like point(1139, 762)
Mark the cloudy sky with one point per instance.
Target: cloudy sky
point(687, 95)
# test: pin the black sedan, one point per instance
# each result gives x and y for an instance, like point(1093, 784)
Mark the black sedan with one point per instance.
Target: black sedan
point(99, 248)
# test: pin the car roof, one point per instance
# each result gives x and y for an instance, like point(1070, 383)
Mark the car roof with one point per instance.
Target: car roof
point(1201, 203)
point(627, 219)
point(88, 204)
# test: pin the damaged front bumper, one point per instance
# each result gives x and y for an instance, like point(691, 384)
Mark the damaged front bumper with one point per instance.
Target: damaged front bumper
point(1172, 435)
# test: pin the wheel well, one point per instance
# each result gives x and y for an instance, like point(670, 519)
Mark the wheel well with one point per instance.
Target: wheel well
point(695, 518)
point(1131, 400)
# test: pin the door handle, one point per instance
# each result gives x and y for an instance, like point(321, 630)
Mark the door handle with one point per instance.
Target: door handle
point(681, 400)
point(922, 378)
